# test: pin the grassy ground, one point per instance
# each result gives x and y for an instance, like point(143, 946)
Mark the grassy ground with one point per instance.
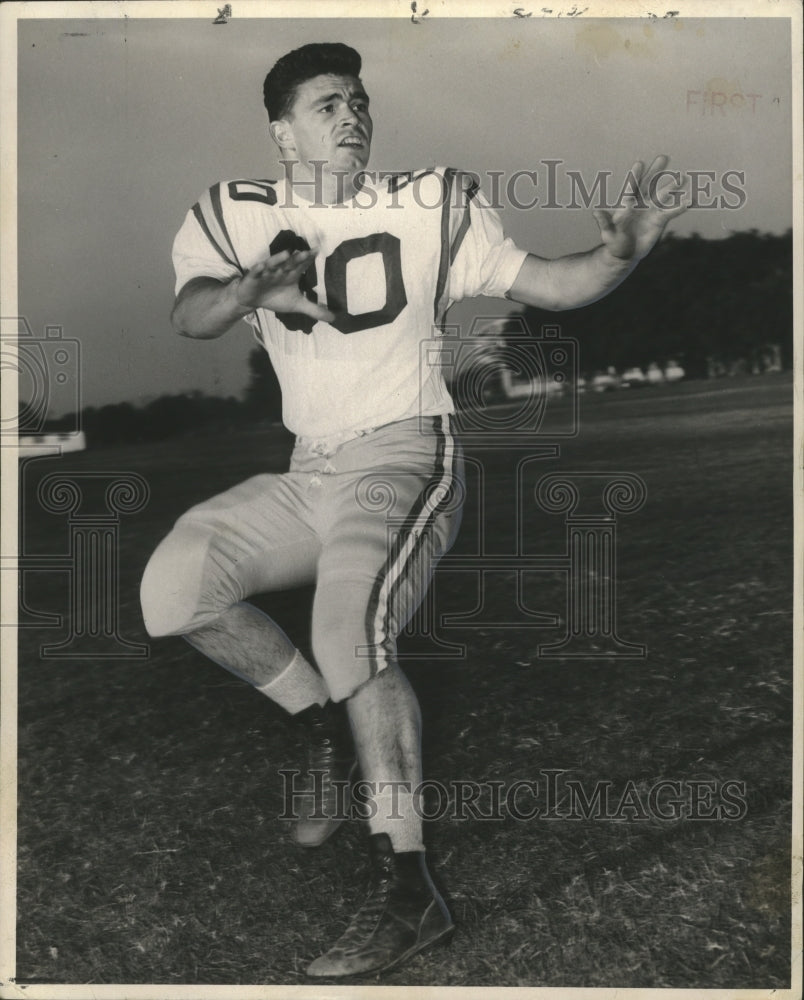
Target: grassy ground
point(149, 844)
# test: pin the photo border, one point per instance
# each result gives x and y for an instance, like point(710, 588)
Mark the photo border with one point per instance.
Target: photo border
point(10, 15)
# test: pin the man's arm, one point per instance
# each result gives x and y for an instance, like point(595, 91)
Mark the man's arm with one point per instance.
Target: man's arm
point(206, 307)
point(569, 282)
point(628, 235)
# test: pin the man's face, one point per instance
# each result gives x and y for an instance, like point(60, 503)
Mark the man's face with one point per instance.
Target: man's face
point(330, 121)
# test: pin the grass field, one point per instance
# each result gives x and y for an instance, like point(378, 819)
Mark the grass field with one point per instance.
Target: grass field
point(149, 844)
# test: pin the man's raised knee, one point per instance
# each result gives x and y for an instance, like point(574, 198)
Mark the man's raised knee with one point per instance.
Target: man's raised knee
point(170, 590)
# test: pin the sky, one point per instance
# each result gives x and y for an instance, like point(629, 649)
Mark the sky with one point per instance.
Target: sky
point(124, 121)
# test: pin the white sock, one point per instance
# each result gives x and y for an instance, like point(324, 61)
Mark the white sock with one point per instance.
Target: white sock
point(297, 687)
point(396, 814)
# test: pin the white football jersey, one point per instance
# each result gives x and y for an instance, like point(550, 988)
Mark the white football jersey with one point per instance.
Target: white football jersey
point(390, 262)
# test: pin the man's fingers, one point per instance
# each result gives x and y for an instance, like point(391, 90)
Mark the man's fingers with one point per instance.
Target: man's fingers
point(671, 194)
point(279, 260)
point(316, 311)
point(658, 164)
point(284, 267)
point(279, 274)
point(663, 191)
point(276, 259)
point(676, 208)
point(301, 256)
point(603, 220)
point(633, 185)
point(643, 180)
point(298, 264)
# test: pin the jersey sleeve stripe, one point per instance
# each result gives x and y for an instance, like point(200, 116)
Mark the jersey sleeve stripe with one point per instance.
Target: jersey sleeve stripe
point(444, 262)
point(202, 222)
point(217, 208)
point(466, 221)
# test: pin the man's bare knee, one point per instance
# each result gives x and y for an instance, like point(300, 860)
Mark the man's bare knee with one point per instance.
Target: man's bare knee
point(388, 683)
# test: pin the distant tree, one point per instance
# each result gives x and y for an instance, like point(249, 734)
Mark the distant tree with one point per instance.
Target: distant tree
point(690, 300)
point(161, 418)
point(116, 423)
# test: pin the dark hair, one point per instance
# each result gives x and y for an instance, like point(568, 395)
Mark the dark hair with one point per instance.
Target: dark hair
point(279, 89)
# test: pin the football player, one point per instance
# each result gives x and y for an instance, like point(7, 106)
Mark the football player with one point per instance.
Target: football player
point(342, 274)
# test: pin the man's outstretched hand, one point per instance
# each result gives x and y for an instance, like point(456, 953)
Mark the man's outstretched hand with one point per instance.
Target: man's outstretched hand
point(274, 284)
point(631, 231)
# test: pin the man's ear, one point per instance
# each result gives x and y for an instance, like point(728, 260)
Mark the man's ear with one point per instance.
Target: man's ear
point(282, 134)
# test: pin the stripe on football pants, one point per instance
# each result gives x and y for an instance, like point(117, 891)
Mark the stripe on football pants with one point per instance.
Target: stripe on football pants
point(431, 501)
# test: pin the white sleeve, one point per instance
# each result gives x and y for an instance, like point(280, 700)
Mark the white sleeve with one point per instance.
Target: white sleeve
point(196, 254)
point(484, 261)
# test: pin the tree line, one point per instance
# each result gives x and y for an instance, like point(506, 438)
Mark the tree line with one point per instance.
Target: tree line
point(691, 301)
point(694, 301)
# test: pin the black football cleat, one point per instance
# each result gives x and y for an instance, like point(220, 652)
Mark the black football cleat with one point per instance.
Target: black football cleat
point(403, 913)
point(323, 804)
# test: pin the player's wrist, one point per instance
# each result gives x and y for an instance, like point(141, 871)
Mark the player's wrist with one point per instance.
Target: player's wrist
point(616, 262)
point(237, 299)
